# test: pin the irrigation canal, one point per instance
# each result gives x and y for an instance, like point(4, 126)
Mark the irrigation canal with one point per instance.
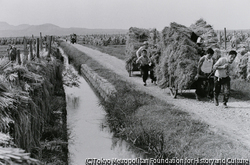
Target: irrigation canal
point(90, 136)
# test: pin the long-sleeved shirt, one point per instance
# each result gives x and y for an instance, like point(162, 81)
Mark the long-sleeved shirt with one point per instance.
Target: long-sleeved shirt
point(221, 73)
point(143, 60)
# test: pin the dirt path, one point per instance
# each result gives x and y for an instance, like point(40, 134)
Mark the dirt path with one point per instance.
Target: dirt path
point(233, 121)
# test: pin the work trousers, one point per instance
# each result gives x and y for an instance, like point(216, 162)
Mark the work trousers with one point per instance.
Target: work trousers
point(222, 83)
point(144, 72)
point(204, 87)
point(152, 72)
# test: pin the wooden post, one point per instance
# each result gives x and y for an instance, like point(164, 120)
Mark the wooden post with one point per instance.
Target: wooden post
point(37, 48)
point(46, 46)
point(50, 40)
point(18, 57)
point(41, 41)
point(235, 42)
point(25, 50)
point(225, 31)
point(219, 37)
point(31, 49)
point(247, 45)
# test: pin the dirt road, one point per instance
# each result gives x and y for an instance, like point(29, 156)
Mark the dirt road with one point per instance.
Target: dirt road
point(233, 121)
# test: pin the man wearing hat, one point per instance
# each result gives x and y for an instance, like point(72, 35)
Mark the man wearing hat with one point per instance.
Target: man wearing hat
point(143, 47)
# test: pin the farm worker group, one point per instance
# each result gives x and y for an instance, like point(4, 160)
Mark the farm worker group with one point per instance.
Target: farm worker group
point(207, 67)
point(146, 62)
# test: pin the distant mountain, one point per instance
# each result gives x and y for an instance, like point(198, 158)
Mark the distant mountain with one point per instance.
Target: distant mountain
point(7, 30)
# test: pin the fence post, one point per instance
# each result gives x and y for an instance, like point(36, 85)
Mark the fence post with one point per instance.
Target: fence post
point(236, 42)
point(225, 31)
point(37, 48)
point(31, 49)
point(18, 57)
point(50, 40)
point(247, 45)
point(41, 41)
point(219, 37)
point(46, 46)
point(25, 50)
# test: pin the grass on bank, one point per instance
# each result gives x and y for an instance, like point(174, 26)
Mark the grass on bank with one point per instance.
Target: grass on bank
point(154, 125)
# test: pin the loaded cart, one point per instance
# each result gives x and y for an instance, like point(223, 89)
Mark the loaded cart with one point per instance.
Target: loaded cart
point(179, 59)
point(178, 63)
point(135, 39)
point(132, 66)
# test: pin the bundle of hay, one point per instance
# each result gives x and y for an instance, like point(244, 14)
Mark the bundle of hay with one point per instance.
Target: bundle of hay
point(179, 59)
point(205, 31)
point(135, 39)
point(242, 67)
point(16, 156)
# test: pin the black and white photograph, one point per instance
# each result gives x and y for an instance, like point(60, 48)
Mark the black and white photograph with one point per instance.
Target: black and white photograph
point(124, 82)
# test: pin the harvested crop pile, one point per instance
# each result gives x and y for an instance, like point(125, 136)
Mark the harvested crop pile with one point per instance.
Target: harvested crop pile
point(206, 32)
point(135, 39)
point(243, 69)
point(179, 59)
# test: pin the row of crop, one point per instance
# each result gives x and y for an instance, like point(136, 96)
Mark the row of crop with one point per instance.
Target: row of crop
point(103, 40)
point(33, 100)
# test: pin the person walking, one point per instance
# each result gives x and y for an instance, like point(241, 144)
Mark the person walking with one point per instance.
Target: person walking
point(143, 60)
point(12, 53)
point(221, 77)
point(153, 61)
point(204, 73)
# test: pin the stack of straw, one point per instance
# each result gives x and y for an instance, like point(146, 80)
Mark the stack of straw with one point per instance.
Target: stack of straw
point(15, 156)
point(179, 59)
point(135, 39)
point(205, 31)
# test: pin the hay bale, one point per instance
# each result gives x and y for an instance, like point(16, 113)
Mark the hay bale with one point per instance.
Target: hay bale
point(179, 59)
point(135, 39)
point(206, 31)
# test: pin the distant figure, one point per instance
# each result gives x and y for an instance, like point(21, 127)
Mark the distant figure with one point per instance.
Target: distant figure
point(143, 60)
point(12, 53)
point(143, 47)
point(221, 77)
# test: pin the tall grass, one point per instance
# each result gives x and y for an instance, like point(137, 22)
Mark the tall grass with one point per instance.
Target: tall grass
point(35, 89)
point(155, 126)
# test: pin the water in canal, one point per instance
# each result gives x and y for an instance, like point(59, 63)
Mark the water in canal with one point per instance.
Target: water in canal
point(90, 136)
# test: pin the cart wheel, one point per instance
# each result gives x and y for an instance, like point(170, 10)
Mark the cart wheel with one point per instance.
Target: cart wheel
point(173, 92)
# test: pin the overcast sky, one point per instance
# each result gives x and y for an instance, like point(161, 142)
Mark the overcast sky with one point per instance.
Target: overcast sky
point(122, 14)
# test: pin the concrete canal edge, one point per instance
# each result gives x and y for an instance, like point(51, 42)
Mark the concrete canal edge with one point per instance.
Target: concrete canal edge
point(105, 89)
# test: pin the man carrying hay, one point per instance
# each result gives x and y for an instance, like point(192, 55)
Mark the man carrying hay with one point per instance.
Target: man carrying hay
point(204, 72)
point(143, 60)
point(143, 47)
point(221, 77)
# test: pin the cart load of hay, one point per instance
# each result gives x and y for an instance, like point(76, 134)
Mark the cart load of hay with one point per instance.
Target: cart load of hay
point(135, 39)
point(179, 59)
point(206, 32)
